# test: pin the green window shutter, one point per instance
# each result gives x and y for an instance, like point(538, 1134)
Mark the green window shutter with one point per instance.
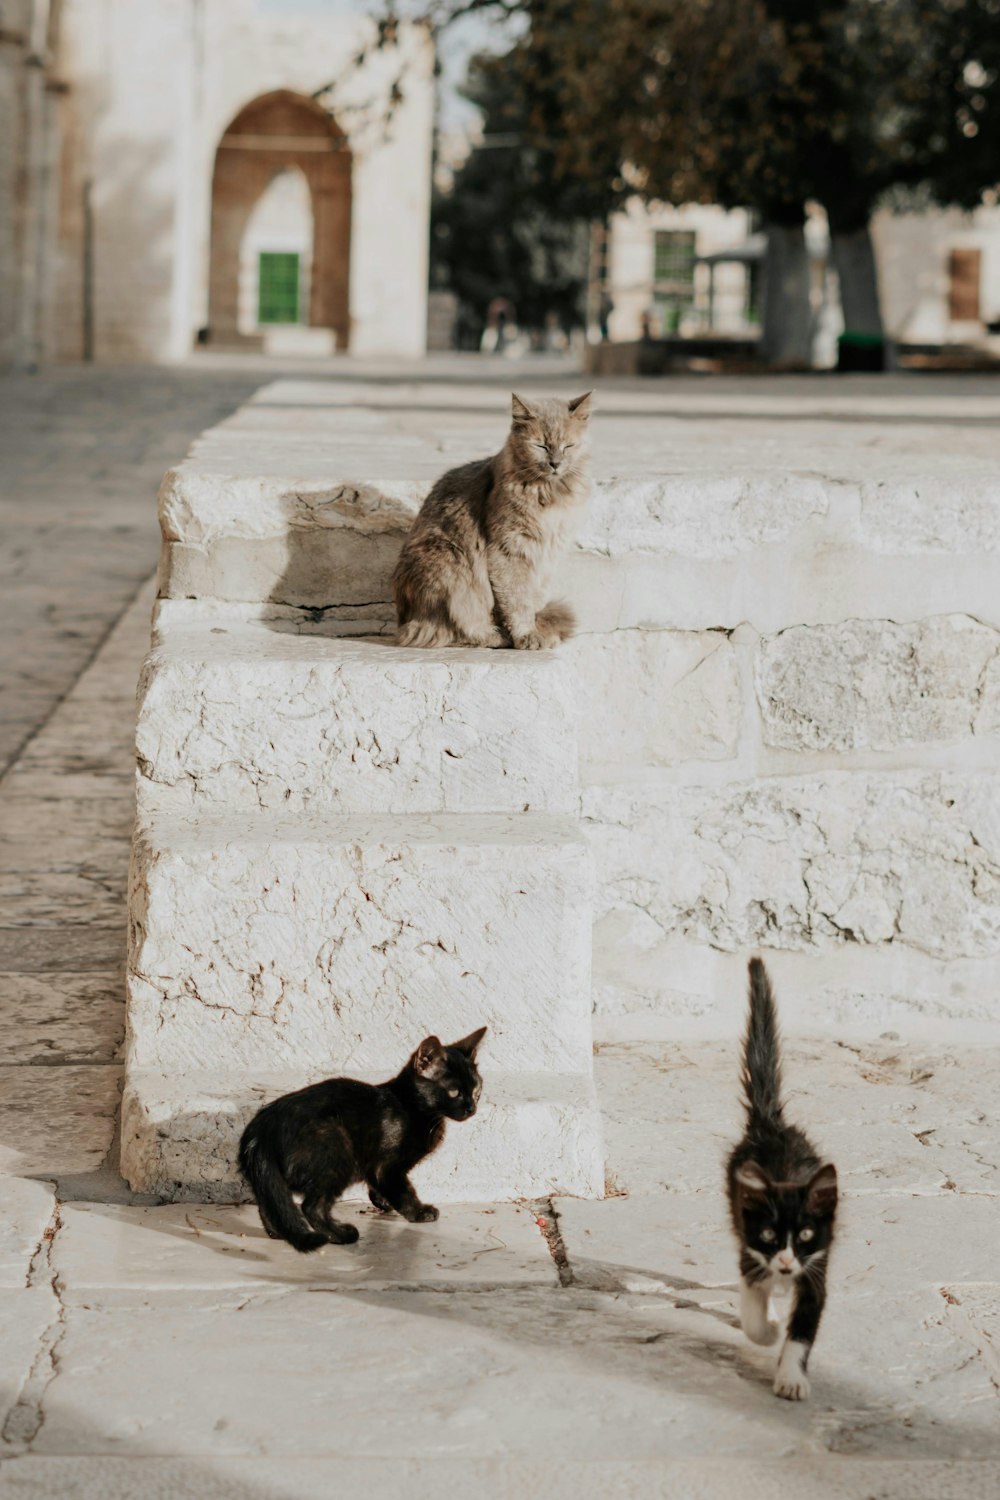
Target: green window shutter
point(278, 296)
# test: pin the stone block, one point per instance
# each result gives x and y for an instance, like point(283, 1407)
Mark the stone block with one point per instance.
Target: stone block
point(107, 1253)
point(533, 1134)
point(803, 862)
point(875, 684)
point(247, 717)
point(935, 514)
point(341, 942)
point(656, 697)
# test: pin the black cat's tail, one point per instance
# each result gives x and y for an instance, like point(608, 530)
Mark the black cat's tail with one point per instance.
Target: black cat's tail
point(278, 1210)
point(761, 1052)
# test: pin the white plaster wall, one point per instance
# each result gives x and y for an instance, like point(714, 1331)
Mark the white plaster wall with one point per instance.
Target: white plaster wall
point(630, 263)
point(153, 88)
point(913, 251)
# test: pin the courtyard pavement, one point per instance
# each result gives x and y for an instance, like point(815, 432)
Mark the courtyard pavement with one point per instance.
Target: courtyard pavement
point(563, 1347)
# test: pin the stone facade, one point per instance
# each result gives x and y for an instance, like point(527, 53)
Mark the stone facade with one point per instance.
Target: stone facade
point(142, 136)
point(786, 683)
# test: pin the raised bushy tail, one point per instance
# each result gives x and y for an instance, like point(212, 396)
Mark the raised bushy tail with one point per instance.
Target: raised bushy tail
point(761, 1052)
point(557, 615)
point(278, 1210)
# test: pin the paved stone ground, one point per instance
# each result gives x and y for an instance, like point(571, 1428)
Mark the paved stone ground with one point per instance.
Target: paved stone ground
point(173, 1351)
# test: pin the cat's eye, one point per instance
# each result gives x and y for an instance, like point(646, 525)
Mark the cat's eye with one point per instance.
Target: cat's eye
point(453, 1093)
point(807, 1234)
point(768, 1236)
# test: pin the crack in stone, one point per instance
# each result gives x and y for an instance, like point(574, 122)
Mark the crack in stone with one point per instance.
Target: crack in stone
point(27, 1416)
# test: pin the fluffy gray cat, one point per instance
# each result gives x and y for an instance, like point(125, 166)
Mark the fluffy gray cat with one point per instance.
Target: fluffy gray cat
point(476, 567)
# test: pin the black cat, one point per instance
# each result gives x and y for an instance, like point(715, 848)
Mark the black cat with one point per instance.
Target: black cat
point(783, 1200)
point(321, 1140)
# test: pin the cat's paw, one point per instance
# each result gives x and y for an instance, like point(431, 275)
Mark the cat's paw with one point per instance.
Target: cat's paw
point(791, 1382)
point(534, 640)
point(377, 1201)
point(426, 1214)
point(792, 1387)
point(343, 1234)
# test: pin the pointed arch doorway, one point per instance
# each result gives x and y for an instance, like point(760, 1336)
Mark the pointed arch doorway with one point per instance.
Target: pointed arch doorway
point(276, 133)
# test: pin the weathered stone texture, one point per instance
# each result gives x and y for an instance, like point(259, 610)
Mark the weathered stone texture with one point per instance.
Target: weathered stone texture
point(699, 515)
point(278, 943)
point(935, 515)
point(251, 718)
point(806, 861)
point(875, 684)
point(532, 1135)
point(656, 697)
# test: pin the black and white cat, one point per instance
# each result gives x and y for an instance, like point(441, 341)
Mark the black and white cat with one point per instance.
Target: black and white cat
point(783, 1200)
point(318, 1142)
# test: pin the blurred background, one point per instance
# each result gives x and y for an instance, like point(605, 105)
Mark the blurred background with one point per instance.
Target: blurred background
point(650, 184)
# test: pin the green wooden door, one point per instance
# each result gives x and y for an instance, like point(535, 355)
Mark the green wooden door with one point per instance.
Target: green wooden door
point(278, 297)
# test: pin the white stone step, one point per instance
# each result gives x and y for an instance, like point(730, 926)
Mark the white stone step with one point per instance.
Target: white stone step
point(267, 942)
point(300, 501)
point(532, 1136)
point(238, 715)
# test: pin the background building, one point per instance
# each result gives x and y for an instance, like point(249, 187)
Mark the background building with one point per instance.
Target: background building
point(221, 170)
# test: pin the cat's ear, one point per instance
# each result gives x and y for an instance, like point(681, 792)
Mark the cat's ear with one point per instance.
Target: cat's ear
point(428, 1057)
point(753, 1181)
point(579, 407)
point(519, 409)
point(470, 1044)
point(821, 1190)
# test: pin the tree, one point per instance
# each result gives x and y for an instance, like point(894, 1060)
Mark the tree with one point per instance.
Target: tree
point(766, 104)
point(510, 227)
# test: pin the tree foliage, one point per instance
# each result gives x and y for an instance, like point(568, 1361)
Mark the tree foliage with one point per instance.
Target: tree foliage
point(511, 226)
point(764, 103)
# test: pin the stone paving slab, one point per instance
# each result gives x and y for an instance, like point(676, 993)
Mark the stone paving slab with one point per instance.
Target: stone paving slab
point(578, 1374)
point(77, 949)
point(57, 1121)
point(83, 451)
point(26, 1315)
point(261, 1478)
point(109, 1254)
point(681, 1245)
point(54, 1017)
point(25, 1213)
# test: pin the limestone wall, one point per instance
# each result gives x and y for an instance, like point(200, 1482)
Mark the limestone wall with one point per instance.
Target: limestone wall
point(788, 675)
point(152, 89)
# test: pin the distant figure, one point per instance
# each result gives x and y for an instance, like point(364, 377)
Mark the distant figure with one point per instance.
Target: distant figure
point(554, 338)
point(499, 321)
point(605, 310)
point(646, 327)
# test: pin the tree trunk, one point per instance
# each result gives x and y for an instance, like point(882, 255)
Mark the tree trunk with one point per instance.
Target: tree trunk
point(787, 330)
point(854, 262)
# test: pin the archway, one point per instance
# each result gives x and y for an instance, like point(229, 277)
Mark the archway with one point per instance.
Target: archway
point(276, 132)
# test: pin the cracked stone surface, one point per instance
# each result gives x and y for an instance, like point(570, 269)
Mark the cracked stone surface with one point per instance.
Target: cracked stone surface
point(25, 1211)
point(873, 684)
point(694, 714)
point(806, 861)
point(260, 944)
point(240, 717)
